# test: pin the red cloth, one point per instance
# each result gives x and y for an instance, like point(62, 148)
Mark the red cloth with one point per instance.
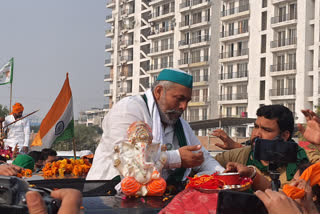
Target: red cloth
point(192, 201)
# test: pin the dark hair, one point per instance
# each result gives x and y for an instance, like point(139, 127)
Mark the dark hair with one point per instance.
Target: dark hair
point(45, 153)
point(36, 155)
point(283, 115)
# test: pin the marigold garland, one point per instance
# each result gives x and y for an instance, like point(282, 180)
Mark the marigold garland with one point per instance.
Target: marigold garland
point(67, 166)
point(25, 173)
point(212, 182)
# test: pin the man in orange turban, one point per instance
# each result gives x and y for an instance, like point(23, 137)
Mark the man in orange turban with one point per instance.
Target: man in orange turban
point(19, 132)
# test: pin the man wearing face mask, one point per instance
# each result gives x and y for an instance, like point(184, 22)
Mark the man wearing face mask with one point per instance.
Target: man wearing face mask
point(19, 132)
point(273, 122)
point(161, 108)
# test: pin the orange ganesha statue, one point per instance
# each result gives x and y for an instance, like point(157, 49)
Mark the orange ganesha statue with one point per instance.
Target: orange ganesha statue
point(140, 162)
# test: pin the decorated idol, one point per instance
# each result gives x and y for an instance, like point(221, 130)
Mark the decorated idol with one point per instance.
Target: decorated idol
point(134, 160)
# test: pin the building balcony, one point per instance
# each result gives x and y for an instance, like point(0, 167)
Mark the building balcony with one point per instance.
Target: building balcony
point(124, 90)
point(283, 18)
point(126, 42)
point(163, 31)
point(235, 13)
point(107, 76)
point(111, 3)
point(283, 43)
point(278, 1)
point(226, 56)
point(202, 60)
point(282, 92)
point(193, 4)
point(204, 20)
point(283, 67)
point(239, 96)
point(126, 58)
point(109, 18)
point(233, 75)
point(109, 32)
point(156, 67)
point(196, 118)
point(109, 47)
point(108, 92)
point(162, 14)
point(198, 101)
point(200, 80)
point(161, 49)
point(108, 62)
point(196, 40)
point(153, 2)
point(235, 34)
point(126, 12)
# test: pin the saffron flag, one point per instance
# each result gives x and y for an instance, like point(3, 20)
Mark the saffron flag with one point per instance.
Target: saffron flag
point(6, 73)
point(58, 124)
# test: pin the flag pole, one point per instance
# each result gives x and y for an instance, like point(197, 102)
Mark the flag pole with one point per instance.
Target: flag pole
point(10, 97)
point(74, 147)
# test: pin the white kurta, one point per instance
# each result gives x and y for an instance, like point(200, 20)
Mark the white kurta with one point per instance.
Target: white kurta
point(115, 125)
point(19, 132)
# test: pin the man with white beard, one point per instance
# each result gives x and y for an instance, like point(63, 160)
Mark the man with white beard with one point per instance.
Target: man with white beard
point(161, 108)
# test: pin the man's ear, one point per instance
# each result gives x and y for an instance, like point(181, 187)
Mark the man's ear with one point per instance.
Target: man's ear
point(285, 135)
point(157, 92)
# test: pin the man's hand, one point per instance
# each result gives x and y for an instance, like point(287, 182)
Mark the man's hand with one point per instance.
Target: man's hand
point(312, 131)
point(277, 202)
point(71, 201)
point(241, 169)
point(25, 149)
point(189, 158)
point(9, 169)
point(228, 143)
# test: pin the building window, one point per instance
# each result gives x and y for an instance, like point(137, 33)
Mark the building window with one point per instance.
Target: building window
point(263, 43)
point(264, 3)
point(262, 90)
point(264, 20)
point(263, 67)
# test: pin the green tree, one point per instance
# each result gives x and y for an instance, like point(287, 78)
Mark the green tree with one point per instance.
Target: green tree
point(86, 138)
point(4, 111)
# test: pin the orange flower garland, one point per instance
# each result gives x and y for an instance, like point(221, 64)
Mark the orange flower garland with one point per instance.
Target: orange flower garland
point(25, 173)
point(67, 166)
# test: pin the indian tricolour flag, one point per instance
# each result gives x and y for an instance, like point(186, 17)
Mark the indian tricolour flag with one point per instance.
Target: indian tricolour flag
point(58, 125)
point(6, 73)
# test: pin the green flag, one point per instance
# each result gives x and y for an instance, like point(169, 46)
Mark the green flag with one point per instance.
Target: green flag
point(6, 73)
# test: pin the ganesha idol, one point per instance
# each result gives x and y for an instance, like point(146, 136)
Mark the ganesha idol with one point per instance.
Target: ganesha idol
point(140, 162)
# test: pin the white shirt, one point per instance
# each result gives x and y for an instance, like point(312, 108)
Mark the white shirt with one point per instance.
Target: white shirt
point(19, 132)
point(115, 125)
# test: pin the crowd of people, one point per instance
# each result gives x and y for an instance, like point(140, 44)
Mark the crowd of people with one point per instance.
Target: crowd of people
point(161, 107)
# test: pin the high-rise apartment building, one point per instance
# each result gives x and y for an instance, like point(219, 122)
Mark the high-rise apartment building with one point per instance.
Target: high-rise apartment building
point(161, 34)
point(269, 54)
point(241, 53)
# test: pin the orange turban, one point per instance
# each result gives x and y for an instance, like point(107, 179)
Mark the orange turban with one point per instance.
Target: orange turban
point(17, 108)
point(312, 173)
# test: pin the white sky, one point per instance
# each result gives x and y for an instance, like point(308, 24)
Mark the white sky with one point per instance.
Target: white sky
point(48, 39)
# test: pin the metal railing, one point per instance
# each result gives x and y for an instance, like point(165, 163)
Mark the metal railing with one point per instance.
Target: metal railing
point(193, 60)
point(161, 48)
point(189, 3)
point(235, 10)
point(108, 91)
point(109, 46)
point(126, 42)
point(195, 21)
point(162, 12)
point(239, 96)
point(283, 67)
point(241, 52)
point(108, 61)
point(203, 78)
point(162, 29)
point(200, 99)
point(161, 65)
point(109, 17)
point(107, 76)
point(283, 18)
point(109, 31)
point(234, 32)
point(233, 75)
point(195, 40)
point(283, 42)
point(126, 58)
point(282, 91)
